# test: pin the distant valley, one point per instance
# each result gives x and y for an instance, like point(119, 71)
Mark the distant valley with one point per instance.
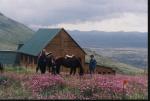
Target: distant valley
point(134, 56)
point(126, 47)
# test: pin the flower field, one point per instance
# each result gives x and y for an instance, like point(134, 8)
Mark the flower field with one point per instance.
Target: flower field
point(46, 86)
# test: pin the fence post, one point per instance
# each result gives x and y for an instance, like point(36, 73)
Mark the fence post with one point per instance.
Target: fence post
point(124, 85)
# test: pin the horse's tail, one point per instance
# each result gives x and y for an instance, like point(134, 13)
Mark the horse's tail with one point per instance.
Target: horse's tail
point(80, 65)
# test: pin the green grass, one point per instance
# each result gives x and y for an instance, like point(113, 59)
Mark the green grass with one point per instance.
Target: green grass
point(55, 89)
point(19, 69)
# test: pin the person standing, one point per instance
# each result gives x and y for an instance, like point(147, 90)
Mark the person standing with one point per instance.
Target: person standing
point(92, 65)
point(49, 63)
point(42, 61)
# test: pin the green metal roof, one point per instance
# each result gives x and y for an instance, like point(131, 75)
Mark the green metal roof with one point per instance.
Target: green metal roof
point(39, 40)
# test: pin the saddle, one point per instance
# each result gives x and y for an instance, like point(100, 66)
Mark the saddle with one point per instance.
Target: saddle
point(69, 56)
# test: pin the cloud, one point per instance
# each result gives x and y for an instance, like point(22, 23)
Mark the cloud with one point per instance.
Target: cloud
point(127, 22)
point(53, 12)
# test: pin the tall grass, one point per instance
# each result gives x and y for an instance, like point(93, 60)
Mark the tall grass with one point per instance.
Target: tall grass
point(19, 69)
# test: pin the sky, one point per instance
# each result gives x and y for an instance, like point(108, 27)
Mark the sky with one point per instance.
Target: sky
point(83, 15)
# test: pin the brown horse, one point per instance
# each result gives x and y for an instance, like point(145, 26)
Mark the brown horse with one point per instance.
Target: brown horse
point(71, 63)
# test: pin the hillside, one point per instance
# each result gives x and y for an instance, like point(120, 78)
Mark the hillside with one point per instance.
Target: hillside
point(115, 65)
point(12, 32)
point(134, 56)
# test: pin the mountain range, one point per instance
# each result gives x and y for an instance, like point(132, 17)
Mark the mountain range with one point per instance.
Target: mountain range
point(100, 39)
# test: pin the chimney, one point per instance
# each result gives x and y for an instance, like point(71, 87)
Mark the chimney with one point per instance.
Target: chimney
point(20, 44)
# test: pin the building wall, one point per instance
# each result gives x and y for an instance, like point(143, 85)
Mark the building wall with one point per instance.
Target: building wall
point(101, 70)
point(104, 70)
point(8, 57)
point(28, 60)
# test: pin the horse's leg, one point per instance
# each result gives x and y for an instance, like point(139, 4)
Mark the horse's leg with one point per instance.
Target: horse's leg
point(71, 70)
point(41, 69)
point(54, 70)
point(37, 68)
point(49, 69)
point(44, 68)
point(74, 71)
point(40, 65)
point(58, 69)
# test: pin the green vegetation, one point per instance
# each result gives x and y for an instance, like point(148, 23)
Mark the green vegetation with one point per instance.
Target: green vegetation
point(134, 56)
point(18, 69)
